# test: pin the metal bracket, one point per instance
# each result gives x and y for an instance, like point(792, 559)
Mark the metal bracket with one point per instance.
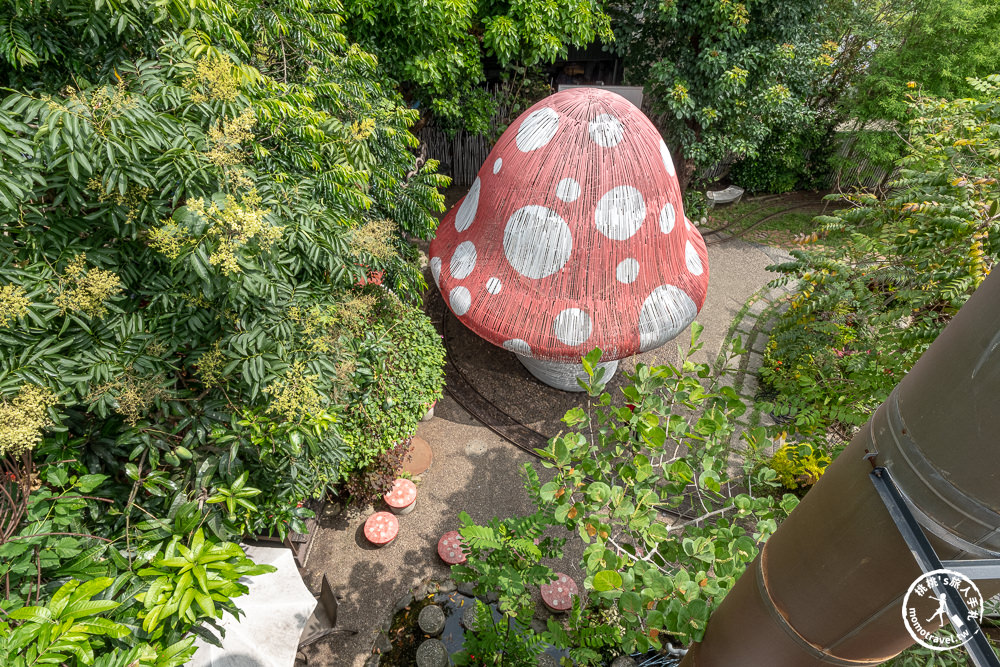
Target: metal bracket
point(978, 646)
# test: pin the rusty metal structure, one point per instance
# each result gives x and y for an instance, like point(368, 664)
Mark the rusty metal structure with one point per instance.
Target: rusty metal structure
point(828, 586)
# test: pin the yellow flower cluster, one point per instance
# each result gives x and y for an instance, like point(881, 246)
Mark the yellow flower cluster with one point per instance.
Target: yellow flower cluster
point(215, 75)
point(225, 138)
point(85, 290)
point(132, 395)
point(99, 107)
point(232, 226)
point(295, 397)
point(14, 303)
point(210, 366)
point(132, 200)
point(363, 129)
point(374, 239)
point(23, 419)
point(169, 238)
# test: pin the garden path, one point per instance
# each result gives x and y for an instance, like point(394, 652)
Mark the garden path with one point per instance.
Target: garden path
point(477, 471)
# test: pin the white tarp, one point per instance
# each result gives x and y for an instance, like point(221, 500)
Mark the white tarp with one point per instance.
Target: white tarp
point(275, 611)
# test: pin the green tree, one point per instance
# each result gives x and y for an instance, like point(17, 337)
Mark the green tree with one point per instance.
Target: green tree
point(885, 50)
point(864, 312)
point(725, 76)
point(613, 475)
point(435, 49)
point(204, 273)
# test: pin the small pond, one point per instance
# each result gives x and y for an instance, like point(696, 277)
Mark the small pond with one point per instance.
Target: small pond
point(405, 636)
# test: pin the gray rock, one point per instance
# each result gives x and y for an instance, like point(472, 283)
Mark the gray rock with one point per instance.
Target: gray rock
point(402, 604)
point(373, 660)
point(467, 588)
point(623, 661)
point(469, 617)
point(492, 598)
point(382, 643)
point(431, 620)
point(546, 660)
point(447, 586)
point(432, 653)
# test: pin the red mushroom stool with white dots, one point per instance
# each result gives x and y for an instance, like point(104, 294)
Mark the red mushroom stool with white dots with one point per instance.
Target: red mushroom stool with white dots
point(451, 548)
point(402, 497)
point(573, 236)
point(381, 528)
point(558, 595)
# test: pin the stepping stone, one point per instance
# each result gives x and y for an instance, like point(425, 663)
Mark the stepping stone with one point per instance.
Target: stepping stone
point(432, 653)
point(381, 528)
point(546, 660)
point(450, 548)
point(623, 661)
point(469, 616)
point(431, 620)
point(402, 497)
point(419, 457)
point(558, 595)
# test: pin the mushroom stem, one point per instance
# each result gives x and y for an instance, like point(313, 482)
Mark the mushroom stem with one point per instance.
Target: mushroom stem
point(563, 375)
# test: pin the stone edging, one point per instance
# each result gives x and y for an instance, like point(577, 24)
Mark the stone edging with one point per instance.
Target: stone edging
point(752, 323)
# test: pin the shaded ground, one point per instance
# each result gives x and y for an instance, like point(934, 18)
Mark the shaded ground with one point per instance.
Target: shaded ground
point(478, 471)
point(784, 221)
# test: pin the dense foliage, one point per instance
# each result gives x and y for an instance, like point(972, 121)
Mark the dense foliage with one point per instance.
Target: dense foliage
point(614, 475)
point(726, 76)
point(208, 308)
point(864, 312)
point(885, 49)
point(436, 49)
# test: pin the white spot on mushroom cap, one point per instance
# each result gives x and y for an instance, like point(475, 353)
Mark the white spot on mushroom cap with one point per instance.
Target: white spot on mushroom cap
point(467, 211)
point(668, 162)
point(463, 261)
point(664, 314)
point(572, 326)
point(568, 190)
point(436, 270)
point(493, 285)
point(497, 165)
point(606, 130)
point(667, 217)
point(537, 241)
point(537, 129)
point(460, 300)
point(627, 270)
point(518, 346)
point(692, 259)
point(620, 212)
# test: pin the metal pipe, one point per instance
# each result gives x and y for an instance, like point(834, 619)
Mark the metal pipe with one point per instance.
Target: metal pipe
point(827, 588)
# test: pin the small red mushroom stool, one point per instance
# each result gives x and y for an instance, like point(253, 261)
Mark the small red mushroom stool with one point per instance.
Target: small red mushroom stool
point(402, 497)
point(451, 548)
point(381, 528)
point(558, 595)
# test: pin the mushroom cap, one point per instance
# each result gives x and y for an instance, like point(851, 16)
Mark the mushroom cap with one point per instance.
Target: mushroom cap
point(381, 528)
point(451, 548)
point(559, 593)
point(573, 236)
point(402, 494)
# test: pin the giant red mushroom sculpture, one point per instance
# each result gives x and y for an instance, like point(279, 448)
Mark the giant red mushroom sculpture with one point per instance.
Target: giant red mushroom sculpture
point(573, 236)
